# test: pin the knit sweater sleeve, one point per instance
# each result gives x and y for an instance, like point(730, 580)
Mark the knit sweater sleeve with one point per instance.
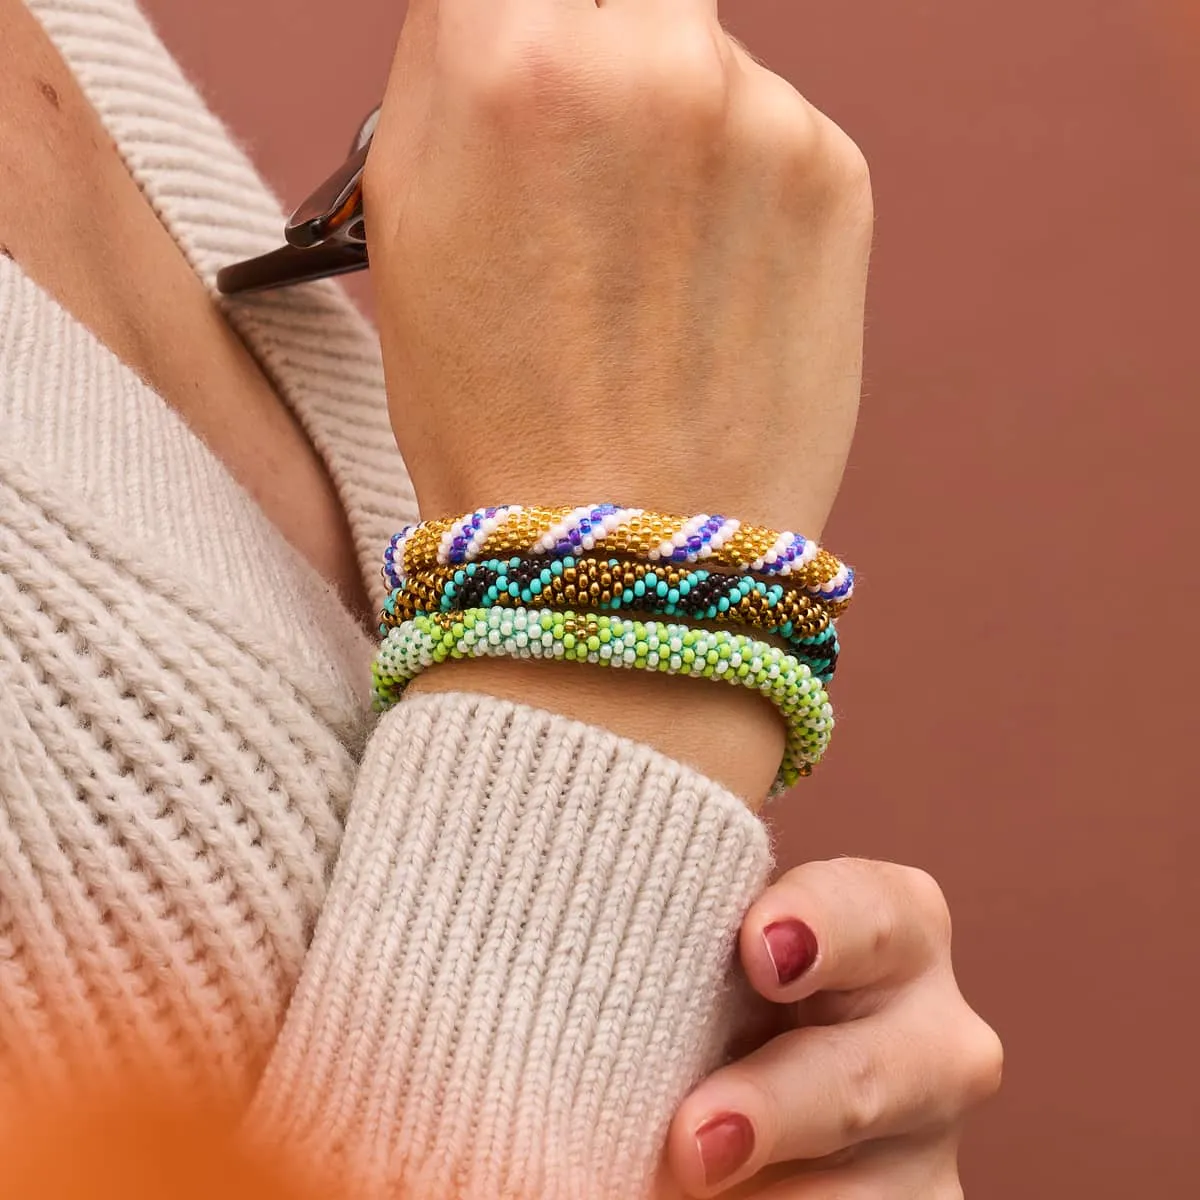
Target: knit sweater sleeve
point(523, 960)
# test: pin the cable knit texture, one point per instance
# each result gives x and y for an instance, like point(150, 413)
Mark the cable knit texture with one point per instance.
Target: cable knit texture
point(473, 950)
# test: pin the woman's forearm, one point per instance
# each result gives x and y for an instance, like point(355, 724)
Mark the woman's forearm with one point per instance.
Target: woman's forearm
point(522, 964)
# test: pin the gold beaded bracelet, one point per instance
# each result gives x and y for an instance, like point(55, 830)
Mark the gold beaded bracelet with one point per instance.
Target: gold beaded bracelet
point(654, 537)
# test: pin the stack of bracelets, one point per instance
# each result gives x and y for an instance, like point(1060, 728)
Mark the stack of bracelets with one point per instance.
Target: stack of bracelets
point(520, 582)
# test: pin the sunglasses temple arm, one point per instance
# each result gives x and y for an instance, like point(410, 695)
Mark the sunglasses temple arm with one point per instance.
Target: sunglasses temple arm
point(289, 265)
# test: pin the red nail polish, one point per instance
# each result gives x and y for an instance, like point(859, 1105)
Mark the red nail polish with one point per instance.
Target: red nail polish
point(792, 947)
point(725, 1144)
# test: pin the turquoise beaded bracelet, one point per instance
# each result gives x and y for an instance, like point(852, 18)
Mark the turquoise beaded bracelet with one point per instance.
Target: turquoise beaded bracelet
point(697, 594)
point(606, 641)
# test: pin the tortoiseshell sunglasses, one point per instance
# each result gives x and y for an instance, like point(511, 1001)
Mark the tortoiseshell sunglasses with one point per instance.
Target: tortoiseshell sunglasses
point(325, 235)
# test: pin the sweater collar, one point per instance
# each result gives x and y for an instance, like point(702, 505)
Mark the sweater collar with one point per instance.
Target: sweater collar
point(320, 354)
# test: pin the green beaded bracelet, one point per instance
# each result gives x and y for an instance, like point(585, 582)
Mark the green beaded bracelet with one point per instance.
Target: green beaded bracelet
point(412, 647)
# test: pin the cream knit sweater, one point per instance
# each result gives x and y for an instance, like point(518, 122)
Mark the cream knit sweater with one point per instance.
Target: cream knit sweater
point(470, 948)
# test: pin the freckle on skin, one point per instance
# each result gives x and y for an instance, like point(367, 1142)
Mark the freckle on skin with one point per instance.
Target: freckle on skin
point(5, 251)
point(50, 92)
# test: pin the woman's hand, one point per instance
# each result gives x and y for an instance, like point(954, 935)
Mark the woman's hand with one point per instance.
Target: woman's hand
point(875, 1055)
point(615, 258)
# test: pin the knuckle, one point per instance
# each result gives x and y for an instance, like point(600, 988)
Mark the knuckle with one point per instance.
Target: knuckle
point(864, 1100)
point(786, 125)
point(846, 162)
point(683, 80)
point(885, 921)
point(885, 932)
point(983, 1059)
point(687, 77)
point(835, 170)
point(926, 898)
point(820, 157)
point(521, 74)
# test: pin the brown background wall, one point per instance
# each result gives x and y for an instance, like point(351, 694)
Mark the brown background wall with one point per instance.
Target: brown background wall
point(1019, 700)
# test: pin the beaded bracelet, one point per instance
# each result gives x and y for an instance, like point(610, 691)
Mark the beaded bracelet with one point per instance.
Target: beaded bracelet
point(557, 532)
point(614, 585)
point(606, 641)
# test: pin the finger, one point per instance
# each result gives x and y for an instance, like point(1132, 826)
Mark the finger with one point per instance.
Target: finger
point(813, 1092)
point(842, 926)
point(901, 1170)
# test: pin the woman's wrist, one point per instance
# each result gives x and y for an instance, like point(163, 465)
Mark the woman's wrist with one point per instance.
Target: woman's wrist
point(476, 597)
point(733, 736)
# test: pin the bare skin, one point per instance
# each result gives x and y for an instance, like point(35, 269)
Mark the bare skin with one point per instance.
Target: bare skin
point(662, 308)
point(101, 252)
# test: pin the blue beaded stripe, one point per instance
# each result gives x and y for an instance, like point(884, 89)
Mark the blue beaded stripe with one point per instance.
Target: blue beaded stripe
point(391, 575)
point(572, 543)
point(698, 541)
point(839, 591)
point(792, 554)
point(469, 528)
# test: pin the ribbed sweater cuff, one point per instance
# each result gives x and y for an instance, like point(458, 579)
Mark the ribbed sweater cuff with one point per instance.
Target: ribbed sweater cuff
point(523, 962)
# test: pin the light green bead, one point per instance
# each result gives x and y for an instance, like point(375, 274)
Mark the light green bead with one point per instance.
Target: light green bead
point(733, 658)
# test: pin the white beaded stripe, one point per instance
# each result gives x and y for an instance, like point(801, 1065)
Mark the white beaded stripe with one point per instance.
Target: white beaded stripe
point(487, 527)
point(776, 552)
point(838, 581)
point(614, 521)
point(690, 528)
point(718, 539)
point(559, 529)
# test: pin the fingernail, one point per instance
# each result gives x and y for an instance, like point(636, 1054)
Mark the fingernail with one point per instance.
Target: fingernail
point(725, 1144)
point(792, 948)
